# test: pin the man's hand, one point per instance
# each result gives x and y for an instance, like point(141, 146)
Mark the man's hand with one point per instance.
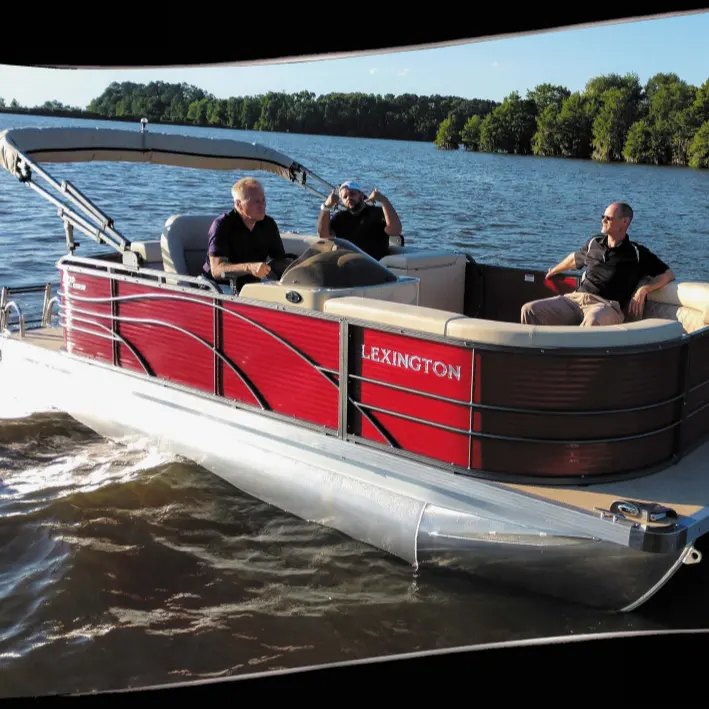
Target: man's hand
point(637, 303)
point(332, 199)
point(259, 269)
point(376, 196)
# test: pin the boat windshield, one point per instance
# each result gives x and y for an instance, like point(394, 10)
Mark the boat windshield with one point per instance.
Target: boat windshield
point(336, 263)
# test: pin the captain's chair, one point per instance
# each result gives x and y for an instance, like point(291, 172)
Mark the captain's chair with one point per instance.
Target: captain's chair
point(184, 241)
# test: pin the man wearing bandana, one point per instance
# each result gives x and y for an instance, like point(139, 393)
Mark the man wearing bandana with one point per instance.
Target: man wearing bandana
point(367, 226)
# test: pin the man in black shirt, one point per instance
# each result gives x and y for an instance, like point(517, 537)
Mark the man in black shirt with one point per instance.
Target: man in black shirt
point(609, 287)
point(241, 240)
point(365, 225)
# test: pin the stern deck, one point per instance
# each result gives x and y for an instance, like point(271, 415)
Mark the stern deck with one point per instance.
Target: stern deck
point(684, 487)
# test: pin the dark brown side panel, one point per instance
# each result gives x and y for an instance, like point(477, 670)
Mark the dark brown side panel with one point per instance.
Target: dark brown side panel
point(579, 383)
point(506, 290)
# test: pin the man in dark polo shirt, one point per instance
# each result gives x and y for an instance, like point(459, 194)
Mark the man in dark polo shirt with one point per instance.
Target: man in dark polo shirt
point(365, 225)
point(241, 240)
point(609, 288)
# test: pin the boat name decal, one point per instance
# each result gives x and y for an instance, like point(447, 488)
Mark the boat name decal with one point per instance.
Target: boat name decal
point(74, 284)
point(415, 363)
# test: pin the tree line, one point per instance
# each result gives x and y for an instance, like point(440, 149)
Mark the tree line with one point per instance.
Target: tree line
point(615, 118)
point(360, 115)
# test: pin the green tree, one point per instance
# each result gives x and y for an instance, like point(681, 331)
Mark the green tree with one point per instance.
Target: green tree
point(545, 95)
point(701, 103)
point(197, 112)
point(698, 152)
point(510, 127)
point(447, 137)
point(618, 111)
point(216, 114)
point(470, 135)
point(575, 127)
point(645, 144)
point(547, 139)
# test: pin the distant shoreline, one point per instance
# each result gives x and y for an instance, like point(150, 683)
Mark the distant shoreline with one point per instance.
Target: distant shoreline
point(85, 115)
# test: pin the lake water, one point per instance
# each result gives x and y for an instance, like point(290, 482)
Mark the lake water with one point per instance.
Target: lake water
point(122, 567)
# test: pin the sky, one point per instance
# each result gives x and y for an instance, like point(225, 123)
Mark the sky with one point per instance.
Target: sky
point(487, 70)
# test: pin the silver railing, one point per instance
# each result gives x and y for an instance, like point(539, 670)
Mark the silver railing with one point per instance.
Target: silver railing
point(30, 314)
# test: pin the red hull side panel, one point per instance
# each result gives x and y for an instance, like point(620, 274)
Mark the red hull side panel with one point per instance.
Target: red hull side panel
point(94, 316)
point(423, 366)
point(164, 328)
point(426, 368)
point(257, 341)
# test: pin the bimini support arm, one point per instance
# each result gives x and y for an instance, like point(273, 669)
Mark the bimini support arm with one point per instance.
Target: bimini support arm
point(94, 223)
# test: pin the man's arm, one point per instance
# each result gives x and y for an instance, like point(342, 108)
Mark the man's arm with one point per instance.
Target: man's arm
point(637, 302)
point(574, 261)
point(220, 266)
point(661, 274)
point(393, 223)
point(567, 264)
point(324, 230)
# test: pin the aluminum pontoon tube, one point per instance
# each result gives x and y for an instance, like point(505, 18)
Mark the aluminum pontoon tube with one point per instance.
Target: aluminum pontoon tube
point(583, 569)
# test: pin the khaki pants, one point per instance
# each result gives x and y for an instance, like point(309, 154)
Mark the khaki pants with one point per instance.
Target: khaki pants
point(583, 309)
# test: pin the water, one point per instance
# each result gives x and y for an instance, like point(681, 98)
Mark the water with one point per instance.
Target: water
point(121, 567)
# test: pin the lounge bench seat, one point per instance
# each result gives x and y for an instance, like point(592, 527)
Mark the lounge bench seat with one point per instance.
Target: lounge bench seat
point(490, 332)
point(684, 301)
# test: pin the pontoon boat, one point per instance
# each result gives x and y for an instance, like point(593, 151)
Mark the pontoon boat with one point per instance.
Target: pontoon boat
point(399, 401)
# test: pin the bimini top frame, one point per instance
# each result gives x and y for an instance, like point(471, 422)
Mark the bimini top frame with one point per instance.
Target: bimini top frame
point(22, 149)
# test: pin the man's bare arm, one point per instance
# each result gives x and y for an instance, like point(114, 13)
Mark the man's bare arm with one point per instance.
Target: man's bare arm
point(393, 223)
point(324, 231)
point(220, 266)
point(568, 264)
point(393, 227)
point(637, 302)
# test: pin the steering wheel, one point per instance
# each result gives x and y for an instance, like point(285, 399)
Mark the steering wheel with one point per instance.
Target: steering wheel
point(279, 267)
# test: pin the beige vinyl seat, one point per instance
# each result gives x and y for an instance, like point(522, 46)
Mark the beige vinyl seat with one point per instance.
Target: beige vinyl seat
point(441, 275)
point(149, 254)
point(684, 301)
point(491, 332)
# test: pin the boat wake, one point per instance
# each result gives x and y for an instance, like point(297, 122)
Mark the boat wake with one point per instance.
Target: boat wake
point(103, 543)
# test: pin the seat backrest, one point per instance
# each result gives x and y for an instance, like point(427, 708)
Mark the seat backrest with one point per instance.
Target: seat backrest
point(684, 301)
point(150, 253)
point(441, 274)
point(184, 242)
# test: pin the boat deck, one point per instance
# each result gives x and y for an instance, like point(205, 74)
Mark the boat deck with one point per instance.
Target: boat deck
point(684, 487)
point(50, 338)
